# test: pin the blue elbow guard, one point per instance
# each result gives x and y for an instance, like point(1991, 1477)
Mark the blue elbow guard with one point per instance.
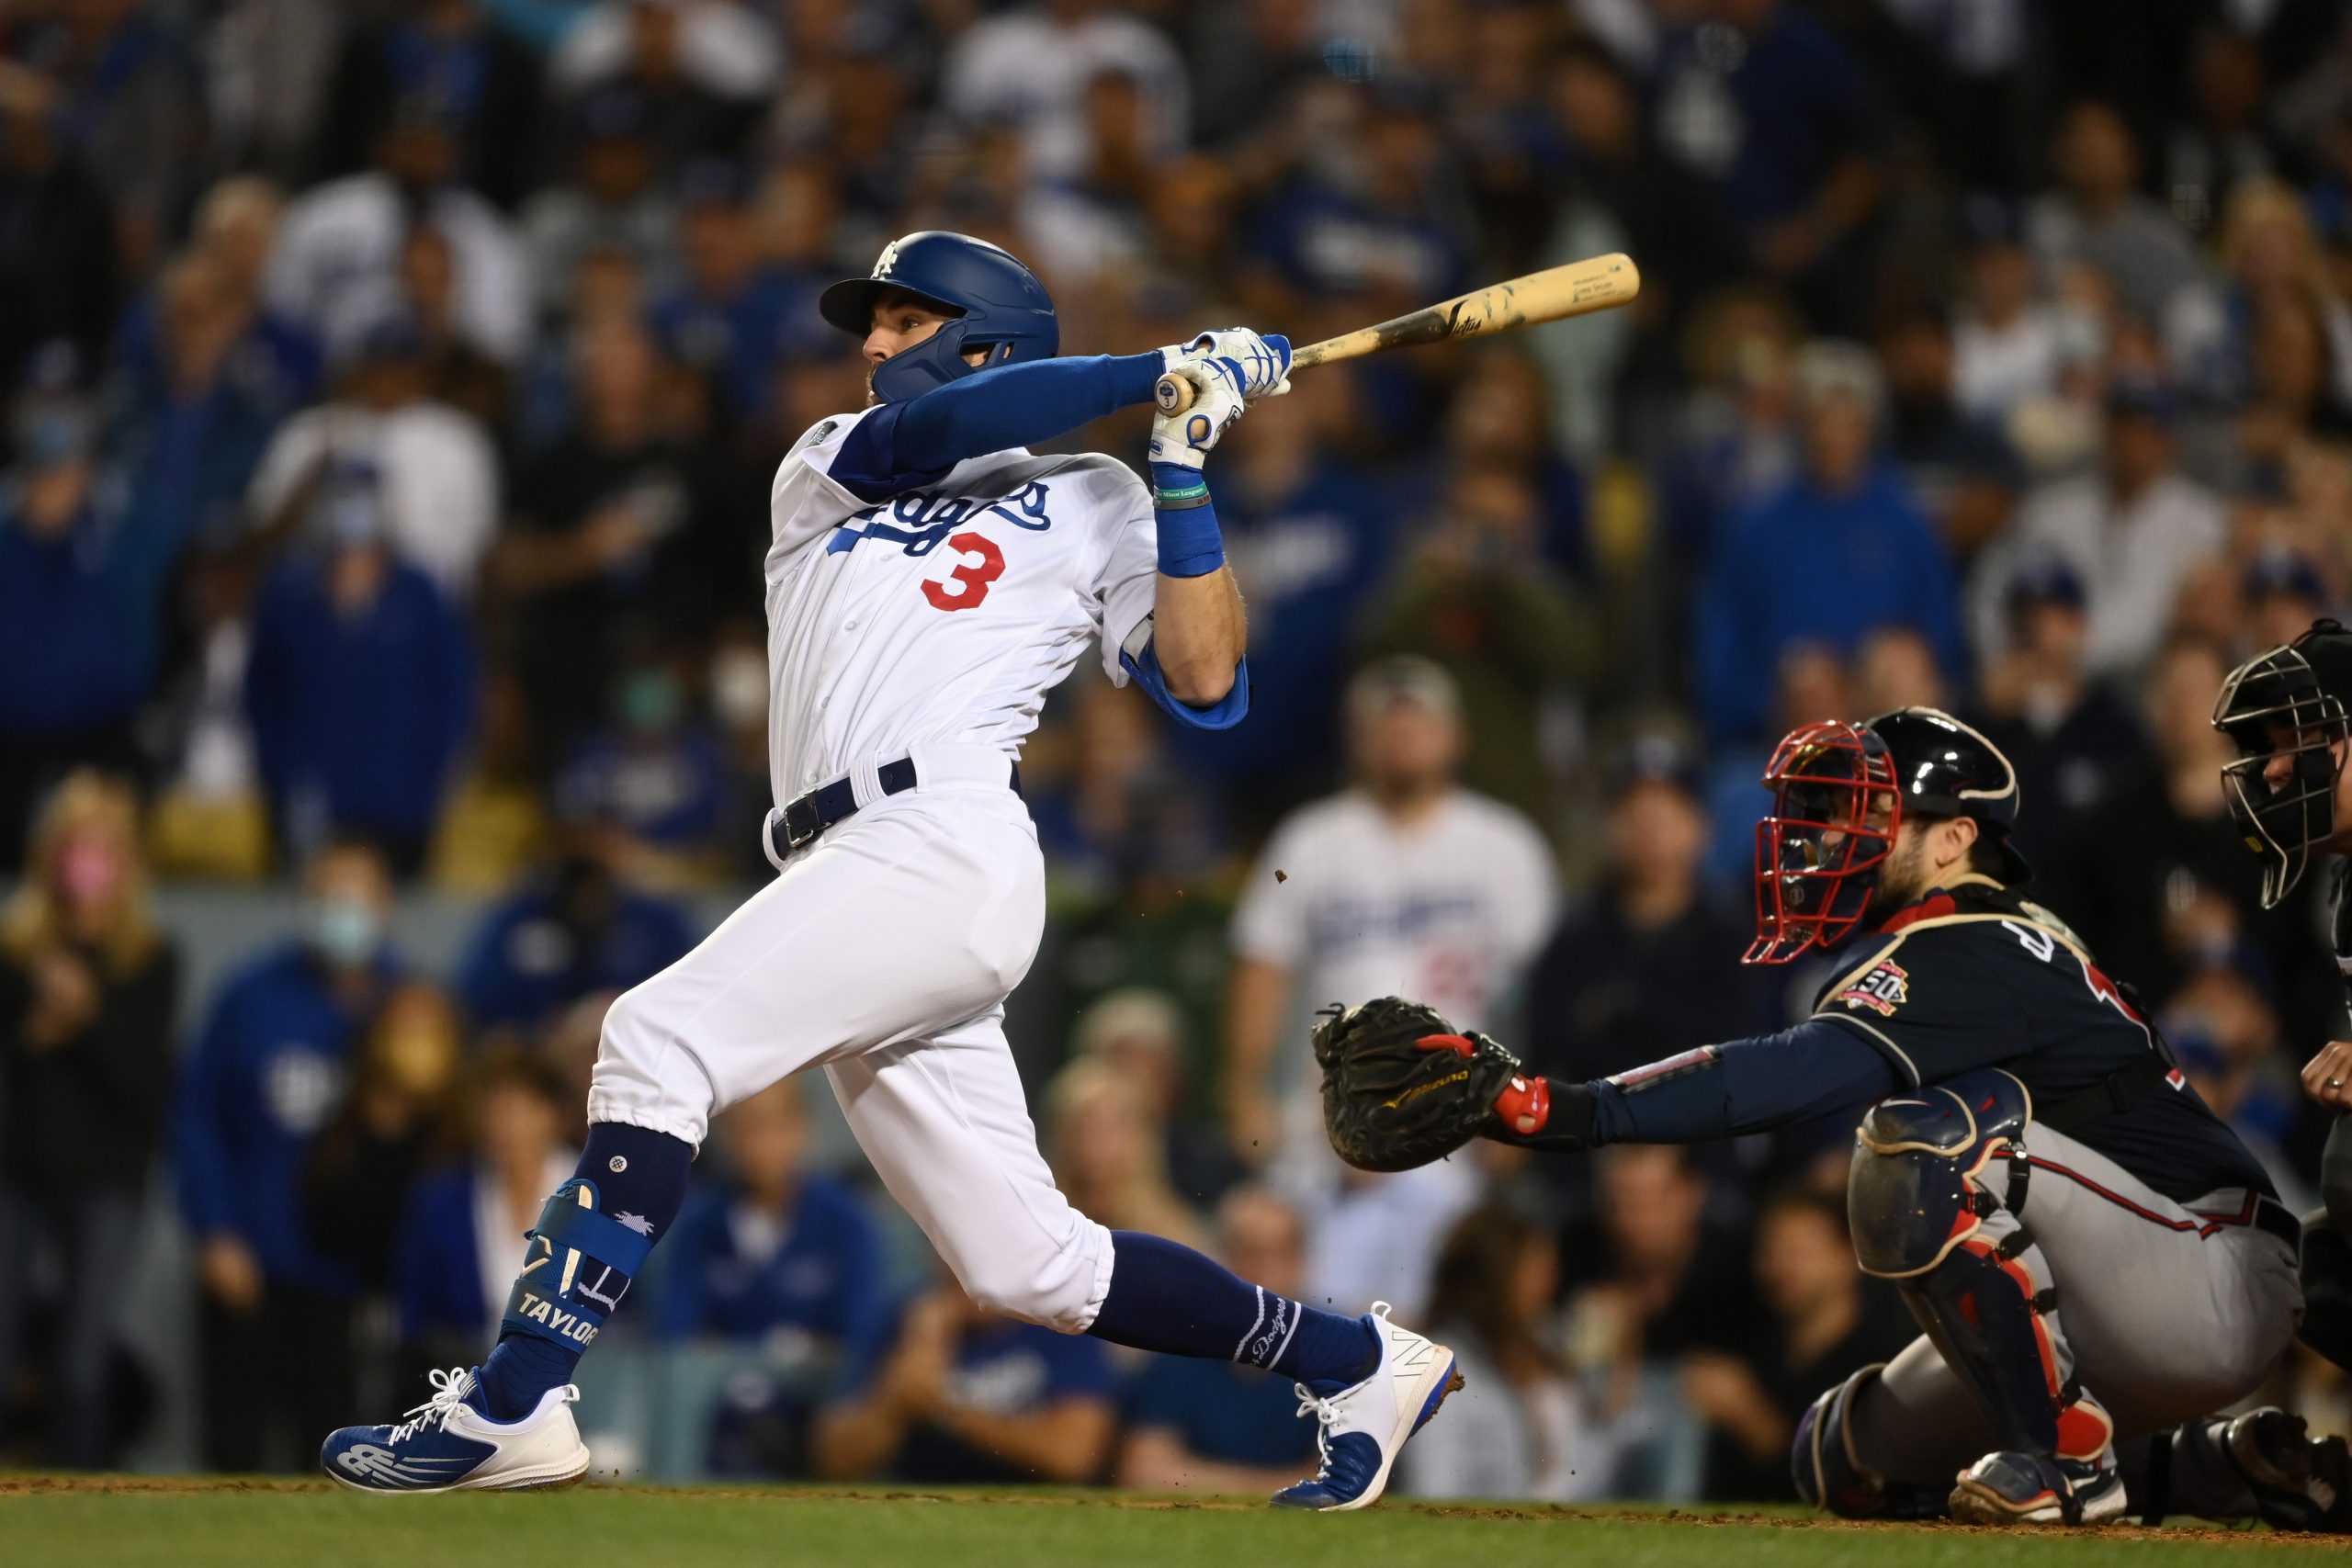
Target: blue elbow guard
point(579, 1267)
point(1141, 662)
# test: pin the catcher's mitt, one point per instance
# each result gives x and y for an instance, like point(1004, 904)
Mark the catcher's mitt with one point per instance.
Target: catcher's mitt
point(1401, 1088)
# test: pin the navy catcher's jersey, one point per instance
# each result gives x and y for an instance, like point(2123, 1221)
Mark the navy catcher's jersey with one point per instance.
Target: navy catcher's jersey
point(1974, 975)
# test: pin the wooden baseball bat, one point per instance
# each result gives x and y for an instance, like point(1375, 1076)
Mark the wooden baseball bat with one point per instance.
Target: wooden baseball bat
point(1597, 283)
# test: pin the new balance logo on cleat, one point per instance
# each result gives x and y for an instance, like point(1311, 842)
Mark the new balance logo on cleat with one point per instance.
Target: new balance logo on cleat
point(368, 1462)
point(1409, 1350)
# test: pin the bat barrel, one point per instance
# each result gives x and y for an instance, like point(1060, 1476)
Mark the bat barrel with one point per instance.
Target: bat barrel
point(1598, 282)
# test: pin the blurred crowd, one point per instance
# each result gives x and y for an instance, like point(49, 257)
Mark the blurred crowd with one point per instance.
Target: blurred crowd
point(392, 391)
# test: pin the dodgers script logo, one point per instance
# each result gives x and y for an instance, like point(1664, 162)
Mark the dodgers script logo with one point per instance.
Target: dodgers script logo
point(1263, 1347)
point(920, 520)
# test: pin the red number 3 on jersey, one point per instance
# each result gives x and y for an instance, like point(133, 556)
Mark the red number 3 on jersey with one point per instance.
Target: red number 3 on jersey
point(968, 583)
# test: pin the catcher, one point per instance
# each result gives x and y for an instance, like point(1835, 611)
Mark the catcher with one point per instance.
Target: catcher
point(2097, 1261)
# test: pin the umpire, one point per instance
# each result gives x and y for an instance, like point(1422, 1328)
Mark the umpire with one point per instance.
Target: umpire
point(2285, 710)
point(2094, 1255)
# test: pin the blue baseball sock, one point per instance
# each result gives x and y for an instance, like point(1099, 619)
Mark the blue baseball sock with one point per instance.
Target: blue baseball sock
point(591, 1240)
point(1167, 1298)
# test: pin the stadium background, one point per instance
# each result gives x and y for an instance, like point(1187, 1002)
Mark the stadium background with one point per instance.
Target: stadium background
point(392, 393)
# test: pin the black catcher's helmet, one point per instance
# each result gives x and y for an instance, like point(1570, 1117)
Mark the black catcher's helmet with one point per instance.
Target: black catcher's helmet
point(1840, 793)
point(1945, 769)
point(2285, 710)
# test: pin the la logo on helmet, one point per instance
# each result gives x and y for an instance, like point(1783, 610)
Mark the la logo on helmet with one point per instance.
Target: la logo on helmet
point(888, 259)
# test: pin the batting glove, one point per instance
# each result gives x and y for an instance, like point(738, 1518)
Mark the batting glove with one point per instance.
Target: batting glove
point(1184, 439)
point(1260, 365)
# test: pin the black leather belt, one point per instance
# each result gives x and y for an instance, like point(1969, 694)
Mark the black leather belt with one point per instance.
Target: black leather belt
point(2269, 1215)
point(800, 823)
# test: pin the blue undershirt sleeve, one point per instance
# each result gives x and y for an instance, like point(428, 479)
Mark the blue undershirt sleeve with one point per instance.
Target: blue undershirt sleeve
point(1747, 1086)
point(900, 445)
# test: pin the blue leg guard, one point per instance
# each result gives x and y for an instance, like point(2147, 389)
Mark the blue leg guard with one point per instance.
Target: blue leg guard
point(578, 1269)
point(1936, 1197)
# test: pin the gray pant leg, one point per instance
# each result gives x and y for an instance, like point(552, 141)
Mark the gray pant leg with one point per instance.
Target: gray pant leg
point(2173, 1313)
point(1918, 1424)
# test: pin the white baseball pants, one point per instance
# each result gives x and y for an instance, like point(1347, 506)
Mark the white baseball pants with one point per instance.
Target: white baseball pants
point(883, 954)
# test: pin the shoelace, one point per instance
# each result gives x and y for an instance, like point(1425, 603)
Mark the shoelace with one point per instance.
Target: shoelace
point(449, 1391)
point(1326, 1415)
point(1327, 1411)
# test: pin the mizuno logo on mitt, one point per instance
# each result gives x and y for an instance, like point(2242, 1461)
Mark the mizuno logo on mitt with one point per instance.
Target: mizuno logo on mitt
point(1419, 1090)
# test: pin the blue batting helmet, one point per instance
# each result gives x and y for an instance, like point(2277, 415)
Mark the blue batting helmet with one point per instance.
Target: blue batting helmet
point(997, 303)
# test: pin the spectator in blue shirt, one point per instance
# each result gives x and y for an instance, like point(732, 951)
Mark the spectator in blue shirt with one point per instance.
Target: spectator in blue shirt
point(461, 1228)
point(197, 406)
point(962, 1397)
point(71, 618)
point(275, 1320)
point(235, 229)
point(1841, 552)
point(776, 1252)
point(1386, 230)
point(360, 688)
point(732, 311)
point(1214, 1425)
point(575, 932)
point(487, 82)
point(784, 1263)
point(654, 774)
point(1766, 105)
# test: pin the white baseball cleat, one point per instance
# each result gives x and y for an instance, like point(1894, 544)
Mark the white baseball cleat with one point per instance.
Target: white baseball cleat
point(1363, 1428)
point(450, 1444)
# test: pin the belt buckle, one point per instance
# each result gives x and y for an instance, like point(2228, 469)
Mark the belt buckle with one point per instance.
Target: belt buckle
point(795, 840)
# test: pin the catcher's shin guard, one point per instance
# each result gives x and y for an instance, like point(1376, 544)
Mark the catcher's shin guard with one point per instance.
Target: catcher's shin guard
point(1832, 1476)
point(1938, 1180)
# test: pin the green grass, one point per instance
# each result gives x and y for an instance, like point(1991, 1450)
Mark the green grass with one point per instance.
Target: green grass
point(99, 1523)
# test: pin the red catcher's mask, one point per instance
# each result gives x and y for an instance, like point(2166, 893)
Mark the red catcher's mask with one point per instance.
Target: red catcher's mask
point(1836, 809)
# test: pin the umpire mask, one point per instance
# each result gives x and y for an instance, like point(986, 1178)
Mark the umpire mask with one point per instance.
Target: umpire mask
point(2285, 712)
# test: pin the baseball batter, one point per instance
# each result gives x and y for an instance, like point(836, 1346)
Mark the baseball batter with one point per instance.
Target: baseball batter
point(929, 582)
point(2095, 1257)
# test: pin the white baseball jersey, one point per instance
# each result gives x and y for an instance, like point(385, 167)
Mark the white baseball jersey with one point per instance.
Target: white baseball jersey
point(1446, 912)
point(944, 614)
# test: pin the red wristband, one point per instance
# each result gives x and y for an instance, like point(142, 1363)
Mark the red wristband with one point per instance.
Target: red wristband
point(1525, 1105)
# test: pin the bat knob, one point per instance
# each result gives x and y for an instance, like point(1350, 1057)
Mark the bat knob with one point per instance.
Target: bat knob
point(1172, 393)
